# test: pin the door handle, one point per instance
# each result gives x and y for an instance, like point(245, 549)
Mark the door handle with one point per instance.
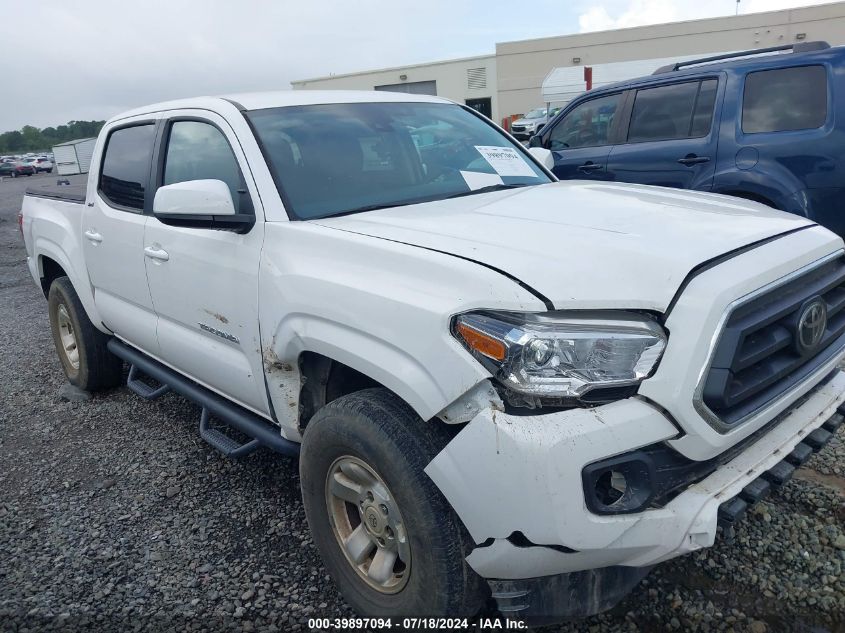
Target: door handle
point(156, 253)
point(92, 235)
point(692, 159)
point(589, 167)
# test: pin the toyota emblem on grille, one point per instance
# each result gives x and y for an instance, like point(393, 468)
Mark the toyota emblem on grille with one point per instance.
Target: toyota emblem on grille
point(811, 325)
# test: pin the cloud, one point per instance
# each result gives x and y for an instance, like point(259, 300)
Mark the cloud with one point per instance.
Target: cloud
point(91, 59)
point(618, 14)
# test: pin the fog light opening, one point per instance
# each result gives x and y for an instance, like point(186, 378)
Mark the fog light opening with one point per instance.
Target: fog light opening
point(611, 487)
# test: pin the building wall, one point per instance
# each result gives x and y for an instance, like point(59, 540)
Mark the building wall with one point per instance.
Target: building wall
point(451, 77)
point(521, 66)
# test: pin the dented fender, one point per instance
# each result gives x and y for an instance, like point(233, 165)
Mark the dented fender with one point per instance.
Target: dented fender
point(379, 307)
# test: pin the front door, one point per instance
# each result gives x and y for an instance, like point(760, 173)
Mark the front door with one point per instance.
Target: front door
point(580, 141)
point(671, 140)
point(203, 281)
point(113, 224)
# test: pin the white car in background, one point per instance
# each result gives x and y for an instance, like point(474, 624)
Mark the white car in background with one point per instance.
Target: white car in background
point(39, 164)
point(532, 122)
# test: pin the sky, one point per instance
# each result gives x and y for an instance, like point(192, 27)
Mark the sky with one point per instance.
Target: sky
point(91, 59)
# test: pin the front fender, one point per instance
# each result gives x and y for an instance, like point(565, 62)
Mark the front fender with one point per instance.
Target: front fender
point(380, 307)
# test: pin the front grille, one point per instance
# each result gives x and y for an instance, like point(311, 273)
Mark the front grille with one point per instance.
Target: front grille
point(759, 356)
point(518, 128)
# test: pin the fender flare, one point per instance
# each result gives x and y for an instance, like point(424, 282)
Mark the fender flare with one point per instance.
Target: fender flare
point(376, 358)
point(44, 247)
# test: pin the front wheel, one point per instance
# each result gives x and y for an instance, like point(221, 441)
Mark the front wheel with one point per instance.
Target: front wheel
point(82, 349)
point(388, 537)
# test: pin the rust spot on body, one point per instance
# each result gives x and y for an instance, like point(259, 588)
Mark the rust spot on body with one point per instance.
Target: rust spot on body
point(273, 363)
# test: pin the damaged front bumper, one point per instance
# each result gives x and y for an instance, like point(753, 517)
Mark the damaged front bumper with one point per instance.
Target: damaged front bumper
point(518, 484)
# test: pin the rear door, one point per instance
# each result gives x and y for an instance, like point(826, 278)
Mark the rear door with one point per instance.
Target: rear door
point(581, 140)
point(669, 137)
point(113, 224)
point(204, 281)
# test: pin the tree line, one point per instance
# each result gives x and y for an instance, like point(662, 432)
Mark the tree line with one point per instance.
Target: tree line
point(32, 139)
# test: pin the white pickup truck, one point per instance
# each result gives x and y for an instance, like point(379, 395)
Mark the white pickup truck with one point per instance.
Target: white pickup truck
point(498, 385)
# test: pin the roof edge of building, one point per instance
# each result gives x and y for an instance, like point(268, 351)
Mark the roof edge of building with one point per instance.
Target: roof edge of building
point(395, 68)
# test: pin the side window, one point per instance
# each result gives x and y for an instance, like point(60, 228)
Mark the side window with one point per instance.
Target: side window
point(703, 115)
point(199, 151)
point(675, 111)
point(785, 99)
point(587, 125)
point(126, 166)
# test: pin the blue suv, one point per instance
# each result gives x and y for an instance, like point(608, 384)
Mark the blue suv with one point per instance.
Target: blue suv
point(766, 125)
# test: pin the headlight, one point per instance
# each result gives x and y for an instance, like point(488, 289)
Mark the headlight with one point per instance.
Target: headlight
point(562, 355)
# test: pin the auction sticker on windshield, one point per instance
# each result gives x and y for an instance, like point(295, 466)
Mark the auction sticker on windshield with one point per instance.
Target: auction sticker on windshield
point(506, 161)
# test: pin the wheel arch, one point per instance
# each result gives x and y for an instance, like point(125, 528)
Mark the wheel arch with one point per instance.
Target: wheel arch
point(750, 195)
point(49, 270)
point(52, 262)
point(319, 361)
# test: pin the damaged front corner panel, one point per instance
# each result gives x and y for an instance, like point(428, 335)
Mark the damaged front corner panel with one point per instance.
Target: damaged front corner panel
point(481, 396)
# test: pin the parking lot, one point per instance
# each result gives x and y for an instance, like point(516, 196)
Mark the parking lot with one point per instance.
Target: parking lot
point(115, 514)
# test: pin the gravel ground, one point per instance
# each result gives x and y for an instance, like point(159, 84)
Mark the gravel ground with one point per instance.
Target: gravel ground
point(115, 515)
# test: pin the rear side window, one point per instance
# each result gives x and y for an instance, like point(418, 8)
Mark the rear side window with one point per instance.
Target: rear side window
point(126, 166)
point(199, 151)
point(676, 111)
point(785, 99)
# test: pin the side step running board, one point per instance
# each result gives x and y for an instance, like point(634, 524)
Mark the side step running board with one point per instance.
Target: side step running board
point(222, 442)
point(141, 388)
point(263, 432)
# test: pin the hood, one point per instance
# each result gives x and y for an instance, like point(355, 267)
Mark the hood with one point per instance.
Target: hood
point(583, 244)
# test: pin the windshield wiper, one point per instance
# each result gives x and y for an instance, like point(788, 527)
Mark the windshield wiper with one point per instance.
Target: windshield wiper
point(487, 189)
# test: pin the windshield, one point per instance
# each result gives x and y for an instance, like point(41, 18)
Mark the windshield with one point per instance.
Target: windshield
point(343, 158)
point(537, 113)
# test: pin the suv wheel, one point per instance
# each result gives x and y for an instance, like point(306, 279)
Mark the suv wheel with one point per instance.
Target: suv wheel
point(385, 533)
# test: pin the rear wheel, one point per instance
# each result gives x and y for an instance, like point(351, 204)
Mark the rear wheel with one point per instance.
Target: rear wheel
point(82, 350)
point(388, 537)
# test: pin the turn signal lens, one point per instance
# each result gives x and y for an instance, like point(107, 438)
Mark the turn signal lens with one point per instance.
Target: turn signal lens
point(481, 343)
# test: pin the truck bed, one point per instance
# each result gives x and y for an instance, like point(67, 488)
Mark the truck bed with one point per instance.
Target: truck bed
point(74, 192)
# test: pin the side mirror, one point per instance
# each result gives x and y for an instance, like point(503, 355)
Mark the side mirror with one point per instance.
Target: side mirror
point(201, 204)
point(535, 141)
point(543, 156)
point(194, 197)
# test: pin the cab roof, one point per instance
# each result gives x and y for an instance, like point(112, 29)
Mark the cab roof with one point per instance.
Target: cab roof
point(281, 98)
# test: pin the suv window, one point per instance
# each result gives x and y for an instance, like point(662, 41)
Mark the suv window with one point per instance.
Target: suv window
point(199, 151)
point(587, 125)
point(785, 99)
point(676, 111)
point(126, 165)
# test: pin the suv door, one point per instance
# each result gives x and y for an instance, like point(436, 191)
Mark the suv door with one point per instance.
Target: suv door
point(669, 138)
point(580, 141)
point(204, 281)
point(113, 223)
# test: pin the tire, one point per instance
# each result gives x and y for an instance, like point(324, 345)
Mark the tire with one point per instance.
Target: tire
point(376, 428)
point(81, 347)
